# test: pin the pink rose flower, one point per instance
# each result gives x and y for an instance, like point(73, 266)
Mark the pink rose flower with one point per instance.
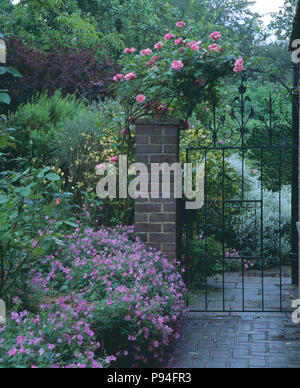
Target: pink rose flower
point(158, 45)
point(169, 36)
point(177, 65)
point(194, 46)
point(214, 47)
point(130, 76)
point(255, 171)
point(114, 159)
point(146, 52)
point(215, 36)
point(155, 58)
point(118, 77)
point(181, 24)
point(129, 50)
point(140, 98)
point(178, 41)
point(239, 65)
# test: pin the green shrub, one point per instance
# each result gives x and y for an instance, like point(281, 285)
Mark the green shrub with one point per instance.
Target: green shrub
point(34, 215)
point(38, 122)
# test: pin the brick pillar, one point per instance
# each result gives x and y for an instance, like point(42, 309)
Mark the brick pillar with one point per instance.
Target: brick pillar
point(157, 141)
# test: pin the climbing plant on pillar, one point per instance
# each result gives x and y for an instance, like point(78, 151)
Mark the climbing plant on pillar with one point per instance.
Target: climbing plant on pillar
point(176, 76)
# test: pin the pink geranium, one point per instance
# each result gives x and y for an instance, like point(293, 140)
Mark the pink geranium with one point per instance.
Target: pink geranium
point(177, 65)
point(181, 24)
point(140, 98)
point(146, 52)
point(118, 77)
point(169, 36)
point(239, 65)
point(129, 50)
point(214, 47)
point(130, 76)
point(215, 36)
point(158, 45)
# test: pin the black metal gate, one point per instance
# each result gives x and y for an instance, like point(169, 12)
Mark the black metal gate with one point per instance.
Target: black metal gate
point(240, 247)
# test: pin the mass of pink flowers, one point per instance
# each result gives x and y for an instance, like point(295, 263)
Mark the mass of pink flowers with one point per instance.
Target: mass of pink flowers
point(175, 52)
point(105, 299)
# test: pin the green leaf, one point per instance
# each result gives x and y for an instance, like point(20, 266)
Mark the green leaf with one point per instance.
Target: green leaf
point(25, 191)
point(71, 224)
point(53, 177)
point(3, 200)
point(13, 71)
point(4, 98)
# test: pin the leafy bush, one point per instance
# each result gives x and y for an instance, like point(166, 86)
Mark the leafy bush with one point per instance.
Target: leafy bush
point(74, 72)
point(247, 224)
point(60, 336)
point(38, 123)
point(34, 215)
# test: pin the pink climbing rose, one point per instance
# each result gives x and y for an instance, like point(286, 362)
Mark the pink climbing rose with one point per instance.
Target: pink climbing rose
point(117, 77)
point(178, 41)
point(169, 36)
point(129, 50)
point(140, 98)
point(194, 46)
point(181, 24)
point(177, 65)
point(146, 52)
point(214, 47)
point(215, 36)
point(239, 65)
point(158, 45)
point(130, 76)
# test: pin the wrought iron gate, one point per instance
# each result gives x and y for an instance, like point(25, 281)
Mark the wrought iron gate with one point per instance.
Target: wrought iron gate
point(240, 245)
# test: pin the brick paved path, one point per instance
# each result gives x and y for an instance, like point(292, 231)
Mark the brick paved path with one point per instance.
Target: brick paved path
point(239, 340)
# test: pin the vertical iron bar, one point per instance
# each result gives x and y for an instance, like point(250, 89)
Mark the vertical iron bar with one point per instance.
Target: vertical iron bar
point(262, 233)
point(205, 232)
point(280, 231)
point(187, 248)
point(295, 176)
point(223, 226)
